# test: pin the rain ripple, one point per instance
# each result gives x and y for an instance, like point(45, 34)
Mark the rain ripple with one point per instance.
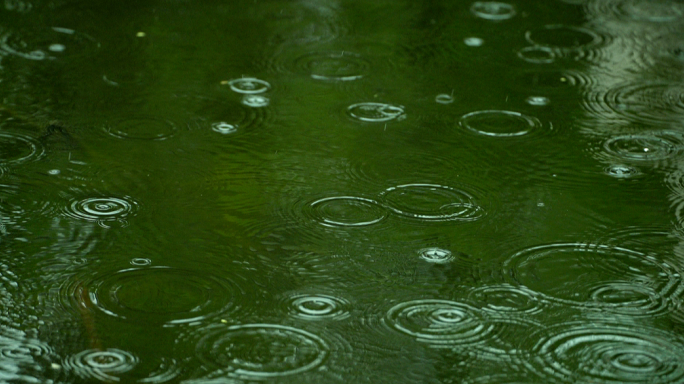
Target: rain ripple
point(104, 365)
point(17, 148)
point(262, 351)
point(316, 306)
point(655, 148)
point(492, 10)
point(155, 295)
point(102, 210)
point(597, 277)
point(506, 300)
point(496, 123)
point(440, 323)
point(655, 11)
point(606, 353)
point(141, 128)
point(569, 41)
point(346, 211)
point(432, 202)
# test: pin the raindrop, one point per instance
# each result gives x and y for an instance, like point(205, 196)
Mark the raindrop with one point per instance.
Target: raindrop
point(104, 365)
point(375, 112)
point(499, 123)
point(492, 10)
point(444, 98)
point(436, 255)
point(473, 41)
point(57, 47)
point(224, 128)
point(249, 85)
point(255, 101)
point(432, 202)
point(347, 211)
point(538, 101)
point(262, 351)
point(440, 323)
point(315, 307)
point(54, 172)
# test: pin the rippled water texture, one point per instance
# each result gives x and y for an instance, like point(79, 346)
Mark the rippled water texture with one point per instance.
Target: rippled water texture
point(310, 191)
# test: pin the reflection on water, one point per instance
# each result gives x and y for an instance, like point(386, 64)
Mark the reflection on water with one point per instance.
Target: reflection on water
point(342, 191)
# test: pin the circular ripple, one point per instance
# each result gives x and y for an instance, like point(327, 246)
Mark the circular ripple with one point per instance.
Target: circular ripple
point(492, 10)
point(432, 202)
point(646, 102)
point(499, 123)
point(564, 37)
point(506, 300)
point(644, 147)
point(657, 11)
point(48, 43)
point(249, 85)
point(621, 171)
point(16, 148)
point(347, 211)
point(537, 54)
point(316, 306)
point(440, 322)
point(102, 209)
point(333, 66)
point(262, 351)
point(223, 128)
point(436, 255)
point(376, 112)
point(157, 295)
point(101, 365)
point(597, 277)
point(607, 353)
point(256, 101)
point(142, 128)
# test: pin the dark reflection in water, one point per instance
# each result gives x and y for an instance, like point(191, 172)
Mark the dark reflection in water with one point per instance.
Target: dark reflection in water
point(341, 191)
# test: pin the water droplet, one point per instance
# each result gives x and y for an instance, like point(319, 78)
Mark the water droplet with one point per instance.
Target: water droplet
point(492, 10)
point(432, 202)
point(375, 112)
point(499, 123)
point(262, 351)
point(224, 128)
point(440, 322)
point(473, 41)
point(255, 101)
point(538, 101)
point(249, 85)
point(347, 211)
point(436, 255)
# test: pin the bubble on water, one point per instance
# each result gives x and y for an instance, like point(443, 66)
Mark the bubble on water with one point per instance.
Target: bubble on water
point(440, 323)
point(492, 10)
point(256, 101)
point(248, 85)
point(224, 128)
point(156, 295)
point(537, 54)
point(473, 41)
point(141, 128)
point(606, 353)
point(316, 306)
point(333, 66)
point(262, 351)
point(497, 123)
point(622, 171)
point(102, 210)
point(346, 211)
point(444, 98)
point(432, 202)
point(596, 277)
point(538, 101)
point(644, 147)
point(436, 255)
point(506, 300)
point(104, 365)
point(16, 148)
point(376, 112)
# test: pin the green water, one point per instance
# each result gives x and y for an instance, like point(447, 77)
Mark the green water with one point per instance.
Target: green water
point(341, 192)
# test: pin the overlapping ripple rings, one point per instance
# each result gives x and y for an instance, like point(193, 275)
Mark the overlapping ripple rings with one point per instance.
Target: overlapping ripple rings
point(156, 295)
point(346, 211)
point(606, 353)
point(142, 128)
point(104, 365)
point(597, 277)
point(376, 112)
point(506, 300)
point(654, 11)
point(499, 123)
point(432, 202)
point(102, 210)
point(567, 40)
point(440, 323)
point(16, 148)
point(262, 351)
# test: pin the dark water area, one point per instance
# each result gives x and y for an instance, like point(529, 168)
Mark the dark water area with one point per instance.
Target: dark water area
point(342, 191)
